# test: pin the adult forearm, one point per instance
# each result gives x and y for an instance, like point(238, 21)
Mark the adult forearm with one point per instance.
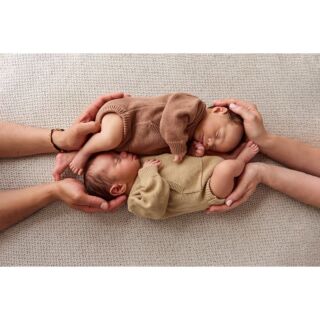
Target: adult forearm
point(292, 153)
point(16, 205)
point(297, 185)
point(18, 140)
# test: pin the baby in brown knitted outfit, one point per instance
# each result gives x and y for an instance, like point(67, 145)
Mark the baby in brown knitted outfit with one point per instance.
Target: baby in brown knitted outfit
point(158, 188)
point(155, 125)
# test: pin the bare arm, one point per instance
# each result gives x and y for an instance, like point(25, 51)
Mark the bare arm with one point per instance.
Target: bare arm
point(19, 140)
point(16, 205)
point(297, 185)
point(293, 153)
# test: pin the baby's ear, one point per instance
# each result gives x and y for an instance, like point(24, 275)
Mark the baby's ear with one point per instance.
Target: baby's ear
point(118, 189)
point(220, 110)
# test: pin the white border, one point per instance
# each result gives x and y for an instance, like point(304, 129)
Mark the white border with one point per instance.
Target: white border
point(159, 293)
point(144, 26)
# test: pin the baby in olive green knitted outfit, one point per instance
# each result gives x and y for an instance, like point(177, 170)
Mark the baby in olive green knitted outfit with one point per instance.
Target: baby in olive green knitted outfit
point(158, 188)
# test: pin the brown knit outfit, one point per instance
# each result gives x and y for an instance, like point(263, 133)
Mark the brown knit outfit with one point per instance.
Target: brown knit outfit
point(154, 125)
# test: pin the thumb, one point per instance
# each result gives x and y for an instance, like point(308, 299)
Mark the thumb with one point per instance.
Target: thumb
point(240, 110)
point(235, 195)
point(89, 127)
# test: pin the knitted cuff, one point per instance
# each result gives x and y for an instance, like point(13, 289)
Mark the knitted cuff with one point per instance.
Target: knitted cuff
point(178, 147)
point(210, 197)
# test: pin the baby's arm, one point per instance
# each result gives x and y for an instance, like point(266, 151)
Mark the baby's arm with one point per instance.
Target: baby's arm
point(222, 179)
point(150, 198)
point(180, 112)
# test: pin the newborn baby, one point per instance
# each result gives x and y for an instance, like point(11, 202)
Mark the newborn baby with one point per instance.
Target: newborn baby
point(155, 125)
point(158, 188)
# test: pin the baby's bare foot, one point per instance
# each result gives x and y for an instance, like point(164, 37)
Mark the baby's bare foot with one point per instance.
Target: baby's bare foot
point(78, 163)
point(249, 151)
point(62, 162)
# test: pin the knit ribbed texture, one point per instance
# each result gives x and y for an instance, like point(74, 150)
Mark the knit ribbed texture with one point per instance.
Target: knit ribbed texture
point(173, 189)
point(154, 125)
point(269, 230)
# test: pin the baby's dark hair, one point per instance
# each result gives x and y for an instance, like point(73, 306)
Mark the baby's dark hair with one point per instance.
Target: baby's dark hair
point(235, 117)
point(97, 183)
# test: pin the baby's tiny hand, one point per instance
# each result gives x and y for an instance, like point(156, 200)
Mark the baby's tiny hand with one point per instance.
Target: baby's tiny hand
point(152, 163)
point(197, 149)
point(179, 157)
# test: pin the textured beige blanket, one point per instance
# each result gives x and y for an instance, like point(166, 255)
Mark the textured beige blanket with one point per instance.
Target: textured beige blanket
point(270, 229)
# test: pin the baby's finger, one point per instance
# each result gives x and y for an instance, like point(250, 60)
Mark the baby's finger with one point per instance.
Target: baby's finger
point(177, 158)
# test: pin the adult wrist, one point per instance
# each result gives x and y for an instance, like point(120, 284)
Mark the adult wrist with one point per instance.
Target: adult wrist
point(262, 173)
point(53, 189)
point(264, 141)
point(58, 140)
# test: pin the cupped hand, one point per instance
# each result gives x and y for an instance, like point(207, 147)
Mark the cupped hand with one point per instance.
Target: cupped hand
point(73, 138)
point(73, 193)
point(252, 119)
point(247, 184)
point(89, 114)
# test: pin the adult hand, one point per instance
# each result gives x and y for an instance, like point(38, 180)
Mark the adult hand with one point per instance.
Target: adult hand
point(90, 113)
point(74, 137)
point(246, 186)
point(252, 119)
point(72, 192)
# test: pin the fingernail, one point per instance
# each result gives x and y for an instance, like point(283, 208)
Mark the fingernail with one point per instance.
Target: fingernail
point(233, 106)
point(104, 206)
point(229, 203)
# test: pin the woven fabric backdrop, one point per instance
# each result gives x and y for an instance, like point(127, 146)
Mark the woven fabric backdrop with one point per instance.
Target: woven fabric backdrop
point(270, 229)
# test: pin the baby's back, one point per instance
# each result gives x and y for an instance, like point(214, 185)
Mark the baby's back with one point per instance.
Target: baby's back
point(151, 123)
point(187, 186)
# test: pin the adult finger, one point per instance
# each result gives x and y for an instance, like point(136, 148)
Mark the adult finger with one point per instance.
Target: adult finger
point(242, 111)
point(224, 102)
point(88, 127)
point(218, 209)
point(88, 209)
point(91, 201)
point(225, 208)
point(115, 203)
point(90, 112)
point(228, 101)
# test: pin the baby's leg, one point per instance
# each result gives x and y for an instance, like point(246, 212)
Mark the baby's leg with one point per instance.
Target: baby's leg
point(108, 138)
point(222, 179)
